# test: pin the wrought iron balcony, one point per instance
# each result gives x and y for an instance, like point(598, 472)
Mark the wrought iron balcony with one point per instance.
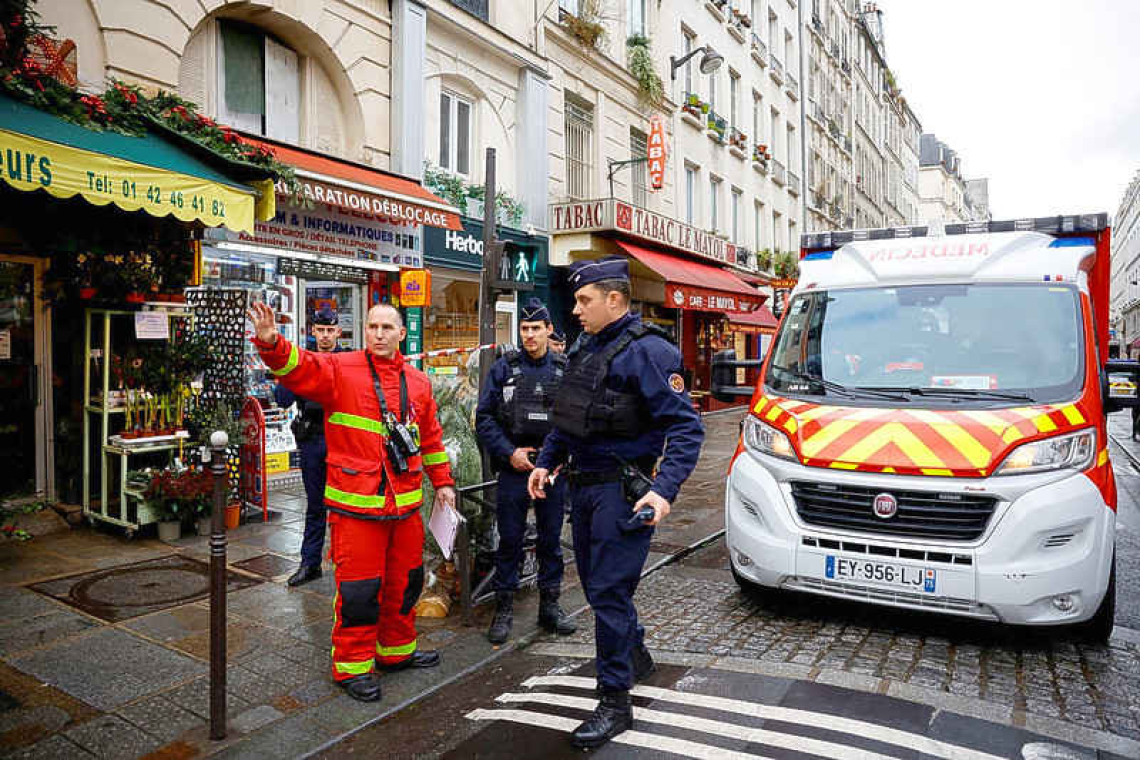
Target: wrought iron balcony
point(779, 173)
point(793, 183)
point(793, 86)
point(759, 50)
point(776, 69)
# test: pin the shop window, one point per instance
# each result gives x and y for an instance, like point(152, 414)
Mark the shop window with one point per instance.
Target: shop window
point(260, 83)
point(579, 149)
point(639, 179)
point(454, 133)
point(452, 320)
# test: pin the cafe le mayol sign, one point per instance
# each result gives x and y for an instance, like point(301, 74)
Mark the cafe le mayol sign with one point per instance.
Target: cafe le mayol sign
point(612, 215)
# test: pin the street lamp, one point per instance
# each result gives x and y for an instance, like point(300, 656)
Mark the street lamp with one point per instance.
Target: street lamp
point(710, 61)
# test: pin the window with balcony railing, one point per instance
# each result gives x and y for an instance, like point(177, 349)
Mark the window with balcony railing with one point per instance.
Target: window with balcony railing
point(579, 149)
point(480, 8)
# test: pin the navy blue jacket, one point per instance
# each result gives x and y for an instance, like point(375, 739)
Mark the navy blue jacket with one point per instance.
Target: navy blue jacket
point(650, 366)
point(285, 397)
point(487, 426)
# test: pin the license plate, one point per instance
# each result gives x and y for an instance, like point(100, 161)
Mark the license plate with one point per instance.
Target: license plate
point(907, 577)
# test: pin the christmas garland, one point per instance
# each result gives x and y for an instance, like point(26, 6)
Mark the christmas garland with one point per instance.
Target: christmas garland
point(123, 108)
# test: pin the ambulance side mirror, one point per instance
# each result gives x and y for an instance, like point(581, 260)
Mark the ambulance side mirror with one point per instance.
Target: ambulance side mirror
point(1120, 385)
point(724, 375)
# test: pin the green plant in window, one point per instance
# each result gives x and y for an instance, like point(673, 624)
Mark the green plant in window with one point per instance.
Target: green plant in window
point(649, 84)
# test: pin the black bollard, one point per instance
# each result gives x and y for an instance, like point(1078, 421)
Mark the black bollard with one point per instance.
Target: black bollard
point(219, 467)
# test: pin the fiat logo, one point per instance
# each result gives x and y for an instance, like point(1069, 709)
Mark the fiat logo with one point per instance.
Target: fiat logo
point(885, 506)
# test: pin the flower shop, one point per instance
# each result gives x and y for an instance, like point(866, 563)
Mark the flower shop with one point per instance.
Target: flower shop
point(104, 200)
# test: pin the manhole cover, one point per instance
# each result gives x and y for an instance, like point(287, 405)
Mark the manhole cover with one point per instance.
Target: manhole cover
point(267, 565)
point(124, 592)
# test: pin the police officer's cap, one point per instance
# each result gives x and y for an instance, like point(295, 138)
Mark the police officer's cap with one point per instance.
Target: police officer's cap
point(534, 310)
point(584, 273)
point(326, 315)
point(558, 336)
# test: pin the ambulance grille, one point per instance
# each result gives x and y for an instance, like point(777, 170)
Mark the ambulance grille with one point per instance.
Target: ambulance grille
point(921, 514)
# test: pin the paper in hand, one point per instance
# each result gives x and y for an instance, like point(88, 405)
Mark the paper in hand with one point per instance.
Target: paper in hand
point(444, 524)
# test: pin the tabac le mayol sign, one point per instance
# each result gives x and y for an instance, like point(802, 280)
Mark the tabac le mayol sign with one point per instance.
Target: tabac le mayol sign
point(610, 215)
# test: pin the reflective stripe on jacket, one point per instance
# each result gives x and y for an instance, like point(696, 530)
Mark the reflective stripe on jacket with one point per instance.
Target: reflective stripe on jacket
point(342, 384)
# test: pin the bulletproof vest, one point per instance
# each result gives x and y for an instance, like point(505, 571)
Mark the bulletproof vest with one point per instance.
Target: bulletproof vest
point(527, 399)
point(585, 407)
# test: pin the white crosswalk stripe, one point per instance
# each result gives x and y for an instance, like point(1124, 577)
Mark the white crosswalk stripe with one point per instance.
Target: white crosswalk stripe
point(681, 747)
point(807, 718)
point(715, 727)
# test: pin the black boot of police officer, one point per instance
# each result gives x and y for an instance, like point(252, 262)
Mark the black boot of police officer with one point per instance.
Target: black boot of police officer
point(512, 419)
point(622, 405)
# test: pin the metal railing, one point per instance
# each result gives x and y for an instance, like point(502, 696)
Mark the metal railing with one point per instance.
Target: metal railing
point(737, 139)
point(818, 112)
point(793, 85)
point(716, 125)
point(776, 70)
point(759, 50)
point(793, 183)
point(833, 127)
point(779, 173)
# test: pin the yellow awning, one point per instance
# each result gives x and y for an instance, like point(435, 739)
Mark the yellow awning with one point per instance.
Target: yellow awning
point(41, 152)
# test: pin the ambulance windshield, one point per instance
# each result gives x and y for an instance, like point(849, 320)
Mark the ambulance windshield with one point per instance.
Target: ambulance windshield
point(988, 343)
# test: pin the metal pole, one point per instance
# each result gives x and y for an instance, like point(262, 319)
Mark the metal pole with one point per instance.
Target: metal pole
point(219, 468)
point(487, 293)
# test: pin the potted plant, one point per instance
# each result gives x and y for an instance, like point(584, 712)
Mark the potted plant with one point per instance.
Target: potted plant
point(162, 494)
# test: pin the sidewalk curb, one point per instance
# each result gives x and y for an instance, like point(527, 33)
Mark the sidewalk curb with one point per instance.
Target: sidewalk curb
point(1131, 457)
point(521, 643)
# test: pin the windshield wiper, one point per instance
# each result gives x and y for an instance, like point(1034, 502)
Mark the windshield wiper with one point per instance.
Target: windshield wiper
point(961, 393)
point(841, 389)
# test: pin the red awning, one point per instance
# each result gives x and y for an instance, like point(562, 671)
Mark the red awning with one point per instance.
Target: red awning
point(361, 189)
point(762, 318)
point(701, 287)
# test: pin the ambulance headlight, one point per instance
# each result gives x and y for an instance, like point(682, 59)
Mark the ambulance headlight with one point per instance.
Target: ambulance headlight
point(1073, 451)
point(760, 437)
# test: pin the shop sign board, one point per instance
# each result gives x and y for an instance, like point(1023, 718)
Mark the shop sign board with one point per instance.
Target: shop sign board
point(784, 283)
point(415, 287)
point(328, 231)
point(703, 299)
point(381, 207)
point(612, 215)
point(657, 152)
point(414, 341)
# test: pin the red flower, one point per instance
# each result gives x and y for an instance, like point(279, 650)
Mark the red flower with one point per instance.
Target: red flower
point(204, 121)
point(17, 21)
point(127, 93)
point(181, 111)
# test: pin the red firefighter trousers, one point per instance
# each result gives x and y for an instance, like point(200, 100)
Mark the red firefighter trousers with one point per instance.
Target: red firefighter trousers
point(379, 577)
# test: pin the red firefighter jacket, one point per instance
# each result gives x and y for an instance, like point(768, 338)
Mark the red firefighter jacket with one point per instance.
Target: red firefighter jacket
point(342, 384)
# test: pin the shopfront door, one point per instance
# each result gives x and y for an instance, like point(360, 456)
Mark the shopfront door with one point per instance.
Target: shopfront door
point(23, 402)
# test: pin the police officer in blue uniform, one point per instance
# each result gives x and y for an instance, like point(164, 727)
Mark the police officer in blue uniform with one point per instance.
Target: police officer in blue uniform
point(309, 431)
point(621, 406)
point(512, 419)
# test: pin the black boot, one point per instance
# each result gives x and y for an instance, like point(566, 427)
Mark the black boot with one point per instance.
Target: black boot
point(304, 574)
point(643, 664)
point(550, 615)
point(613, 715)
point(500, 629)
point(364, 688)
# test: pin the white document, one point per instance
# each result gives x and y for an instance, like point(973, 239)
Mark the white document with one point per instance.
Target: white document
point(444, 524)
point(151, 325)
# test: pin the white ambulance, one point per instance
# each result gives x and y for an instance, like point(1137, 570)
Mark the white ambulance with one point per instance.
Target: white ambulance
point(929, 427)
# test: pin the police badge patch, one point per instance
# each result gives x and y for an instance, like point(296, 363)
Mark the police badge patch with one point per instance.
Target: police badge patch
point(677, 383)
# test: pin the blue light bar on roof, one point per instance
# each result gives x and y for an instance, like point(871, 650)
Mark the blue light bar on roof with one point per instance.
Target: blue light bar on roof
point(1050, 225)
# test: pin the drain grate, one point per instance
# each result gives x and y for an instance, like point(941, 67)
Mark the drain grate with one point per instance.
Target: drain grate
point(267, 565)
point(127, 591)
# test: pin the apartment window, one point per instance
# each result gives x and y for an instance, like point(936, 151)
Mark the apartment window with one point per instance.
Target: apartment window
point(639, 172)
point(260, 83)
point(689, 63)
point(737, 196)
point(757, 117)
point(636, 17)
point(793, 160)
point(690, 194)
point(579, 148)
point(733, 92)
point(454, 133)
point(714, 197)
point(759, 231)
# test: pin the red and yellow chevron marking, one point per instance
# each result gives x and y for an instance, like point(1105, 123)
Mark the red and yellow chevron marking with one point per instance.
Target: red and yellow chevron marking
point(967, 444)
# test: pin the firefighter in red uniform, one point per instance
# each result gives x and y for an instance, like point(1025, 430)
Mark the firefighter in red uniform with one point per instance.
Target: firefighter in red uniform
point(383, 434)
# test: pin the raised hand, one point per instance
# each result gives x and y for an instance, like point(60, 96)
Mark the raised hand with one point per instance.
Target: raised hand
point(264, 322)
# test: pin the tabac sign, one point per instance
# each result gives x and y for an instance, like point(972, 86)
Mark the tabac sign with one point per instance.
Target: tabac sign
point(657, 152)
point(612, 215)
